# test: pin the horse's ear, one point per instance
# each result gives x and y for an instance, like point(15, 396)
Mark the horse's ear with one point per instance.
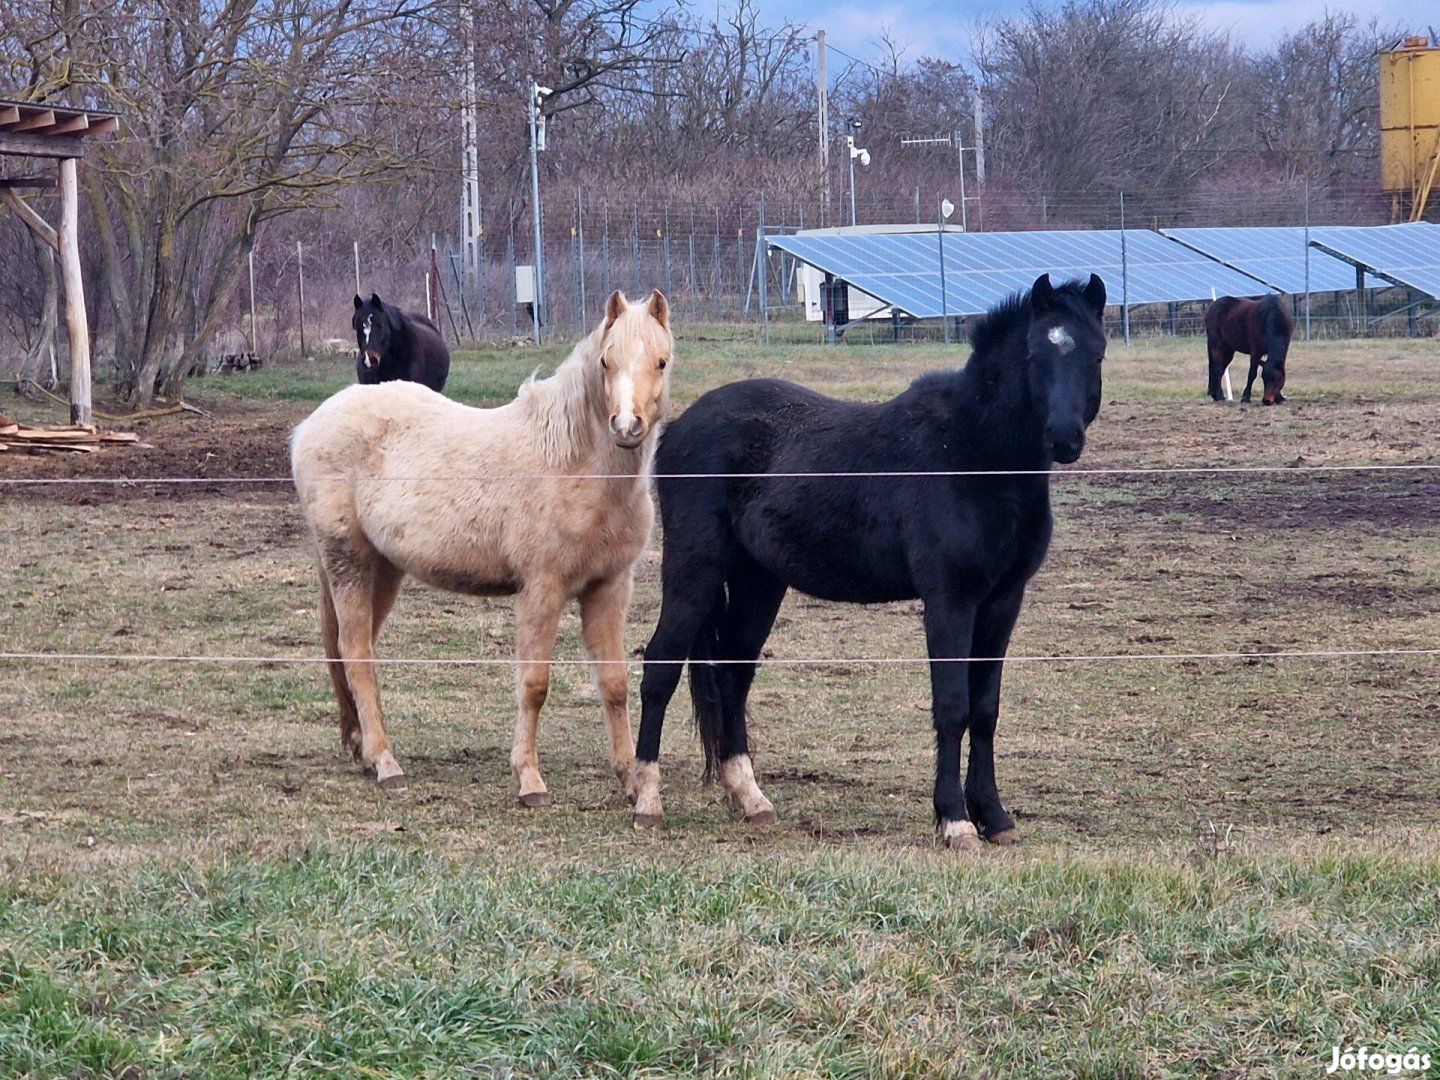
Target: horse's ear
point(375, 299)
point(1041, 293)
point(659, 307)
point(358, 302)
point(1095, 295)
point(615, 307)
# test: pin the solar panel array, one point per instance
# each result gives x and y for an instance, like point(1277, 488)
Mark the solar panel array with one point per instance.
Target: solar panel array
point(1275, 255)
point(1408, 254)
point(981, 269)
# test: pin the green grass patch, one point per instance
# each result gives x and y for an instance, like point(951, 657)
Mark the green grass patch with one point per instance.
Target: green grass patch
point(387, 961)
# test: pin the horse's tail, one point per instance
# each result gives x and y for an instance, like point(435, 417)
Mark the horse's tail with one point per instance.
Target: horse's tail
point(705, 693)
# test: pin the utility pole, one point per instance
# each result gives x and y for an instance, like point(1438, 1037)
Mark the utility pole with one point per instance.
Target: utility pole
point(470, 219)
point(538, 94)
point(822, 99)
point(855, 152)
point(979, 140)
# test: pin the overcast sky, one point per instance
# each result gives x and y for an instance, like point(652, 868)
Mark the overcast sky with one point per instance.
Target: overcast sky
point(944, 27)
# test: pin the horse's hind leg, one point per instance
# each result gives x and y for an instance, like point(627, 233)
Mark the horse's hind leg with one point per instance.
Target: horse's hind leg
point(754, 600)
point(330, 631)
point(1220, 357)
point(538, 608)
point(602, 623)
point(351, 565)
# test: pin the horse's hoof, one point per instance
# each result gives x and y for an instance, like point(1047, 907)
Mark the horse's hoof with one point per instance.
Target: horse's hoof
point(960, 836)
point(1004, 838)
point(764, 817)
point(393, 783)
point(534, 799)
point(646, 821)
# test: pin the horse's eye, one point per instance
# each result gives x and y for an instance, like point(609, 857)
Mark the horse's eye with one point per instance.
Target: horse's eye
point(663, 363)
point(604, 364)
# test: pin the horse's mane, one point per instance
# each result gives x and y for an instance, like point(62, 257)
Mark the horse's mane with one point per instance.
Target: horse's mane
point(1012, 315)
point(562, 407)
point(997, 324)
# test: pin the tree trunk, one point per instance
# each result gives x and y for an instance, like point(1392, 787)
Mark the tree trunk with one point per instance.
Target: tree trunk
point(39, 360)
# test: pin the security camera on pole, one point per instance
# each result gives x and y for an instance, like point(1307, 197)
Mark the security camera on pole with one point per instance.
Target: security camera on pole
point(855, 152)
point(538, 94)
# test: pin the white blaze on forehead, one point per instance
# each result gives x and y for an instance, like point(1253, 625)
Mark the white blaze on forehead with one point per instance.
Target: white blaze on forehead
point(365, 330)
point(625, 394)
point(1060, 337)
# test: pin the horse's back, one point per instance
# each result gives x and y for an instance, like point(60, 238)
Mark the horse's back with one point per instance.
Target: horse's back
point(350, 425)
point(802, 530)
point(746, 426)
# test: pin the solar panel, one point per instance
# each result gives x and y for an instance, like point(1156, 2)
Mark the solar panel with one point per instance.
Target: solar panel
point(1407, 254)
point(1276, 255)
point(981, 269)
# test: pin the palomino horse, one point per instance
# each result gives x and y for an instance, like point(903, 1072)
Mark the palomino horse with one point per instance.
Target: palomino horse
point(395, 479)
point(1261, 328)
point(743, 523)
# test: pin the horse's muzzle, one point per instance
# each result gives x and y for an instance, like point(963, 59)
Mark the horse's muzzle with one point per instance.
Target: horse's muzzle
point(1065, 447)
point(370, 359)
point(630, 435)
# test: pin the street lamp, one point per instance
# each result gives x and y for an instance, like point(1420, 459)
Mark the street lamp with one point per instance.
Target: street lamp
point(538, 94)
point(855, 152)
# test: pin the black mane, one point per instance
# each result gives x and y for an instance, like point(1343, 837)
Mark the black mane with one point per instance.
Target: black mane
point(1012, 315)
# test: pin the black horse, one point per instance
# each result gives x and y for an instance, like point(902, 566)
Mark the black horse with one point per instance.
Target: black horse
point(751, 528)
point(395, 344)
point(1261, 328)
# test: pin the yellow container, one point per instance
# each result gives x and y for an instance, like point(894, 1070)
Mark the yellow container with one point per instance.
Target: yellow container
point(1410, 117)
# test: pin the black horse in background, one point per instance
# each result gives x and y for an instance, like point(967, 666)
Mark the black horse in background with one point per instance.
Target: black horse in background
point(1259, 328)
point(397, 344)
point(754, 524)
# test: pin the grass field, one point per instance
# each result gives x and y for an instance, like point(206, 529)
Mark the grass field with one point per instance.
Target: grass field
point(1230, 866)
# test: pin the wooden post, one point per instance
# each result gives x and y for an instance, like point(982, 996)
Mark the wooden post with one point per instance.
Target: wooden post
point(254, 336)
point(300, 282)
point(77, 329)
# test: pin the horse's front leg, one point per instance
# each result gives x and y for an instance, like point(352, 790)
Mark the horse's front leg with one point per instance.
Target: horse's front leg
point(538, 608)
point(1250, 382)
point(993, 625)
point(949, 632)
point(602, 623)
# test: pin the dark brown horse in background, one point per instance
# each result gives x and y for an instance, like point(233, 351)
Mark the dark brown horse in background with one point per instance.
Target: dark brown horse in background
point(1260, 328)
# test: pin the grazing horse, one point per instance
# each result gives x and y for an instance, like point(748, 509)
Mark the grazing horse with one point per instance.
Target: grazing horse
point(396, 480)
point(395, 344)
point(1260, 328)
point(743, 523)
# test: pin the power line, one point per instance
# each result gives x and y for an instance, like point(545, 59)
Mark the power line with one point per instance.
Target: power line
point(878, 661)
point(938, 474)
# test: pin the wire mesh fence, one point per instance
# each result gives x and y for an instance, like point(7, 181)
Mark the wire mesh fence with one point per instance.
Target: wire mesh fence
point(705, 257)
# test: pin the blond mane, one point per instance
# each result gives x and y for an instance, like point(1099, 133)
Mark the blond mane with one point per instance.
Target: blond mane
point(563, 408)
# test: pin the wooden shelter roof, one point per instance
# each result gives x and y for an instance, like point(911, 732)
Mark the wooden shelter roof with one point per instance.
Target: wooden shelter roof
point(40, 129)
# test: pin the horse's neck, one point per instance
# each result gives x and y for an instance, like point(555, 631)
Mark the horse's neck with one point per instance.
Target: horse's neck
point(1001, 421)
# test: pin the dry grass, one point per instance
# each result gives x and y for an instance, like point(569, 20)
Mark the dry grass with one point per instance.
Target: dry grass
point(1166, 776)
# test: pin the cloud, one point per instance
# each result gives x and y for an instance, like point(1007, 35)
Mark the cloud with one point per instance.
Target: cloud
point(940, 28)
point(1260, 22)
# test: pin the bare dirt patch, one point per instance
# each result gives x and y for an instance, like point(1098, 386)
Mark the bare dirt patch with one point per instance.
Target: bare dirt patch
point(238, 439)
point(137, 757)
